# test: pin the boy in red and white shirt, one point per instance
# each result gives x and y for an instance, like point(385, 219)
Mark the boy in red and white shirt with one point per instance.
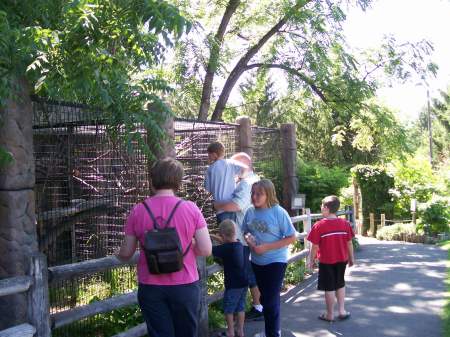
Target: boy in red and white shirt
point(331, 239)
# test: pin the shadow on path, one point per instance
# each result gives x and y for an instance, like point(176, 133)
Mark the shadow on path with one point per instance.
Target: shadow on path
point(396, 289)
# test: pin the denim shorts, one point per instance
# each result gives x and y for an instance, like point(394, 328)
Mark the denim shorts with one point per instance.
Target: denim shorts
point(234, 300)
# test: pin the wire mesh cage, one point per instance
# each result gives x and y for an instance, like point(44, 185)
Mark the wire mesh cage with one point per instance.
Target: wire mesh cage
point(87, 182)
point(191, 141)
point(267, 161)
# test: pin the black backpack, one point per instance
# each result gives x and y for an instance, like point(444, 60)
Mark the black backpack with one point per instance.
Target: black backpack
point(162, 246)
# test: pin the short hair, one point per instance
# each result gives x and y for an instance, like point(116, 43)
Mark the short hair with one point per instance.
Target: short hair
point(227, 228)
point(217, 148)
point(167, 173)
point(332, 203)
point(269, 189)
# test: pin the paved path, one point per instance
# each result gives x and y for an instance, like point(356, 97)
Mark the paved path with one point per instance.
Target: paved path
point(396, 289)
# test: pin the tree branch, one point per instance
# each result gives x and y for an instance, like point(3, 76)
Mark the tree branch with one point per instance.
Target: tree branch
point(292, 71)
point(242, 63)
point(205, 101)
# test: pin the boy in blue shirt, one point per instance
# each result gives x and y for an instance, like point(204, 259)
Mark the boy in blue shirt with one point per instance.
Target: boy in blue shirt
point(234, 258)
point(220, 178)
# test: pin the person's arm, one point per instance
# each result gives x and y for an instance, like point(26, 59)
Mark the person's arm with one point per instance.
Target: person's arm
point(264, 247)
point(228, 206)
point(202, 244)
point(351, 257)
point(216, 237)
point(127, 248)
point(312, 256)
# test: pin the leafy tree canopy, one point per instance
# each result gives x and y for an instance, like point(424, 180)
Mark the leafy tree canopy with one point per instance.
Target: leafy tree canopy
point(254, 46)
point(91, 51)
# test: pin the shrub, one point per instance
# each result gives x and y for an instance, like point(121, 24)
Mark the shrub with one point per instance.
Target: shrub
point(375, 184)
point(435, 217)
point(317, 181)
point(397, 232)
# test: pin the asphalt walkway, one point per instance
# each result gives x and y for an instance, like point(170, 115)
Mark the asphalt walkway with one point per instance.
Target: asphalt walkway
point(396, 289)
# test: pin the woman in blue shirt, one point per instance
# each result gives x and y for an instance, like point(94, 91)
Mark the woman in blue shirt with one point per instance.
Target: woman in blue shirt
point(269, 232)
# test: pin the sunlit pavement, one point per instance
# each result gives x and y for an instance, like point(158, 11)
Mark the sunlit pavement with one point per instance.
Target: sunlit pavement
point(396, 289)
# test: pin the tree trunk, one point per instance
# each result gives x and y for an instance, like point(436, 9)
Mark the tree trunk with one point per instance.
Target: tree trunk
point(18, 238)
point(214, 59)
point(240, 67)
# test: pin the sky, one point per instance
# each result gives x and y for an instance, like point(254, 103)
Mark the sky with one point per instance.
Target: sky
point(406, 20)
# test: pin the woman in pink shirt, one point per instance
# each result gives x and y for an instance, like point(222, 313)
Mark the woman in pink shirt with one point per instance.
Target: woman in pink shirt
point(169, 302)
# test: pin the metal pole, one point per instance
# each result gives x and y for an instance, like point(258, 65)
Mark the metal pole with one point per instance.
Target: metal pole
point(430, 136)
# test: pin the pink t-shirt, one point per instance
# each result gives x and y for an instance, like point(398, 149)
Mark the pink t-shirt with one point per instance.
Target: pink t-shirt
point(187, 219)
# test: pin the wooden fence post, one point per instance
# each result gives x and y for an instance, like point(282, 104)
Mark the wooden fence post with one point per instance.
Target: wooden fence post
point(383, 220)
point(372, 224)
point(203, 312)
point(245, 135)
point(38, 308)
point(307, 225)
point(289, 160)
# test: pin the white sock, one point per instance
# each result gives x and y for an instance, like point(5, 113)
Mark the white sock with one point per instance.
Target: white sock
point(258, 307)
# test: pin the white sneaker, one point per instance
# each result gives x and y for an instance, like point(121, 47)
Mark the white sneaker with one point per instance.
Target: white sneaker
point(260, 334)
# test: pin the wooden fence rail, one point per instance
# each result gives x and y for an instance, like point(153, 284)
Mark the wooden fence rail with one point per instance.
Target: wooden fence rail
point(37, 286)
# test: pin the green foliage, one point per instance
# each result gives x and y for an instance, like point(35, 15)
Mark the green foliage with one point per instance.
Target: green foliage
point(295, 273)
point(446, 312)
point(317, 181)
point(435, 217)
point(414, 179)
point(93, 52)
point(396, 231)
point(375, 184)
point(308, 51)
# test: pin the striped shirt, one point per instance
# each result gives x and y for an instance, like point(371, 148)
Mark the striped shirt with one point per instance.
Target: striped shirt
point(332, 236)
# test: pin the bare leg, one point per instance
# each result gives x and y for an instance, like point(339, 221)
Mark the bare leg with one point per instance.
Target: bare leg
point(255, 295)
point(230, 324)
point(340, 295)
point(329, 301)
point(240, 323)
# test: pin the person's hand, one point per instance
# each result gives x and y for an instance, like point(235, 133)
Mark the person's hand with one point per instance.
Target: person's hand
point(311, 264)
point(351, 262)
point(250, 239)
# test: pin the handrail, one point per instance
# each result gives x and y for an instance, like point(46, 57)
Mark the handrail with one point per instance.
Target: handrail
point(15, 285)
point(37, 287)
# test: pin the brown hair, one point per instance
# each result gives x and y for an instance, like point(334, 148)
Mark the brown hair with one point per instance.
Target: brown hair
point(269, 189)
point(217, 148)
point(167, 173)
point(332, 203)
point(227, 229)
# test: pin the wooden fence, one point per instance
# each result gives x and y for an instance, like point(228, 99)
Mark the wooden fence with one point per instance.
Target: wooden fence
point(41, 277)
point(36, 287)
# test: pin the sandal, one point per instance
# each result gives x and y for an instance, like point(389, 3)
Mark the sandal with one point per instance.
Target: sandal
point(344, 317)
point(323, 317)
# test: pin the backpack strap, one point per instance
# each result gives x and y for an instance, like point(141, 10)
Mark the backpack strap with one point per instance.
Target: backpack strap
point(149, 211)
point(155, 223)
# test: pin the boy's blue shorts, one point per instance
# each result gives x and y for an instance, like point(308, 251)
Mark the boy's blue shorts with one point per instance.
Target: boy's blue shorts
point(234, 300)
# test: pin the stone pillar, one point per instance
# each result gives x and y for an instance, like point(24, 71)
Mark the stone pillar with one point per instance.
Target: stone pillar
point(289, 163)
point(18, 238)
point(245, 135)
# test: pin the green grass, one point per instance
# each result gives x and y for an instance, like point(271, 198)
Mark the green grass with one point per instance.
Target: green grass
point(446, 315)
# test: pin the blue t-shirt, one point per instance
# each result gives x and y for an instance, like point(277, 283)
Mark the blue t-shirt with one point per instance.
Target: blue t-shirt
point(220, 178)
point(234, 260)
point(268, 225)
